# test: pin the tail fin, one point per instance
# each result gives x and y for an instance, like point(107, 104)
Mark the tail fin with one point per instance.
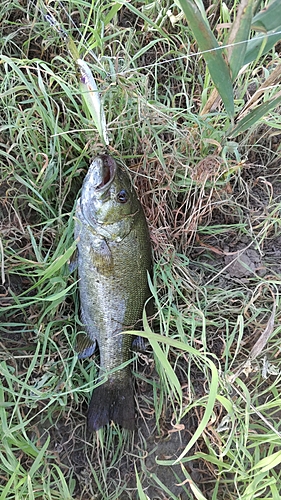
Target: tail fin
point(112, 401)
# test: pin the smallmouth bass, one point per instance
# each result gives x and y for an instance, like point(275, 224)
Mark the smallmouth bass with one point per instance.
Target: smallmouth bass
point(114, 256)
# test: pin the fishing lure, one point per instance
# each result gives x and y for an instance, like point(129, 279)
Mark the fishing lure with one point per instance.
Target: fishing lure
point(92, 98)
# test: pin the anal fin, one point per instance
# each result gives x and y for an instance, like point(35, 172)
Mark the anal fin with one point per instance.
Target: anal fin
point(85, 346)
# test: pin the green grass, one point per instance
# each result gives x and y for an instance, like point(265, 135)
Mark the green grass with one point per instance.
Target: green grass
point(200, 180)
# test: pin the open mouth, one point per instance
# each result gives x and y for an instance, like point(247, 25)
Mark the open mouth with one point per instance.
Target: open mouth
point(96, 186)
point(108, 170)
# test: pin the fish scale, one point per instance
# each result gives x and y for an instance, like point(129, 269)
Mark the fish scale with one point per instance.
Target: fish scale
point(114, 257)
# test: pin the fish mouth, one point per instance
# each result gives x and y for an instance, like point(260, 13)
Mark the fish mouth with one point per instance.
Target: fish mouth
point(96, 188)
point(106, 173)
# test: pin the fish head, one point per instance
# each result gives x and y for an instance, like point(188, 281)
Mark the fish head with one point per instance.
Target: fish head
point(108, 197)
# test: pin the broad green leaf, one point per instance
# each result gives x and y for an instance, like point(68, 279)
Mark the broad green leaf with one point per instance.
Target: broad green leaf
point(238, 36)
point(200, 6)
point(53, 268)
point(275, 491)
point(72, 48)
point(208, 44)
point(268, 21)
point(228, 405)
point(214, 460)
point(257, 487)
point(254, 116)
point(269, 18)
point(59, 295)
point(260, 45)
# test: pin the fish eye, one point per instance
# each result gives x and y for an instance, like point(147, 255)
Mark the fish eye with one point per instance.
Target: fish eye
point(122, 196)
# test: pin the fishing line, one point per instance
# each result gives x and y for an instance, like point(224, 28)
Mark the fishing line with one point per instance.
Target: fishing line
point(87, 84)
point(56, 25)
point(89, 51)
point(194, 54)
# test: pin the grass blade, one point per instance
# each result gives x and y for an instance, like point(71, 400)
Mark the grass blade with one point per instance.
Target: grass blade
point(255, 115)
point(269, 462)
point(268, 21)
point(168, 370)
point(194, 488)
point(239, 33)
point(141, 493)
point(38, 460)
point(207, 43)
point(208, 411)
point(269, 18)
point(155, 338)
point(258, 46)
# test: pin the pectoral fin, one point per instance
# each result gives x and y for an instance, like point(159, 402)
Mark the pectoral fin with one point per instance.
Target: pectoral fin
point(73, 261)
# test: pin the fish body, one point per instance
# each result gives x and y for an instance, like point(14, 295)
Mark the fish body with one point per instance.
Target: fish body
point(114, 256)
